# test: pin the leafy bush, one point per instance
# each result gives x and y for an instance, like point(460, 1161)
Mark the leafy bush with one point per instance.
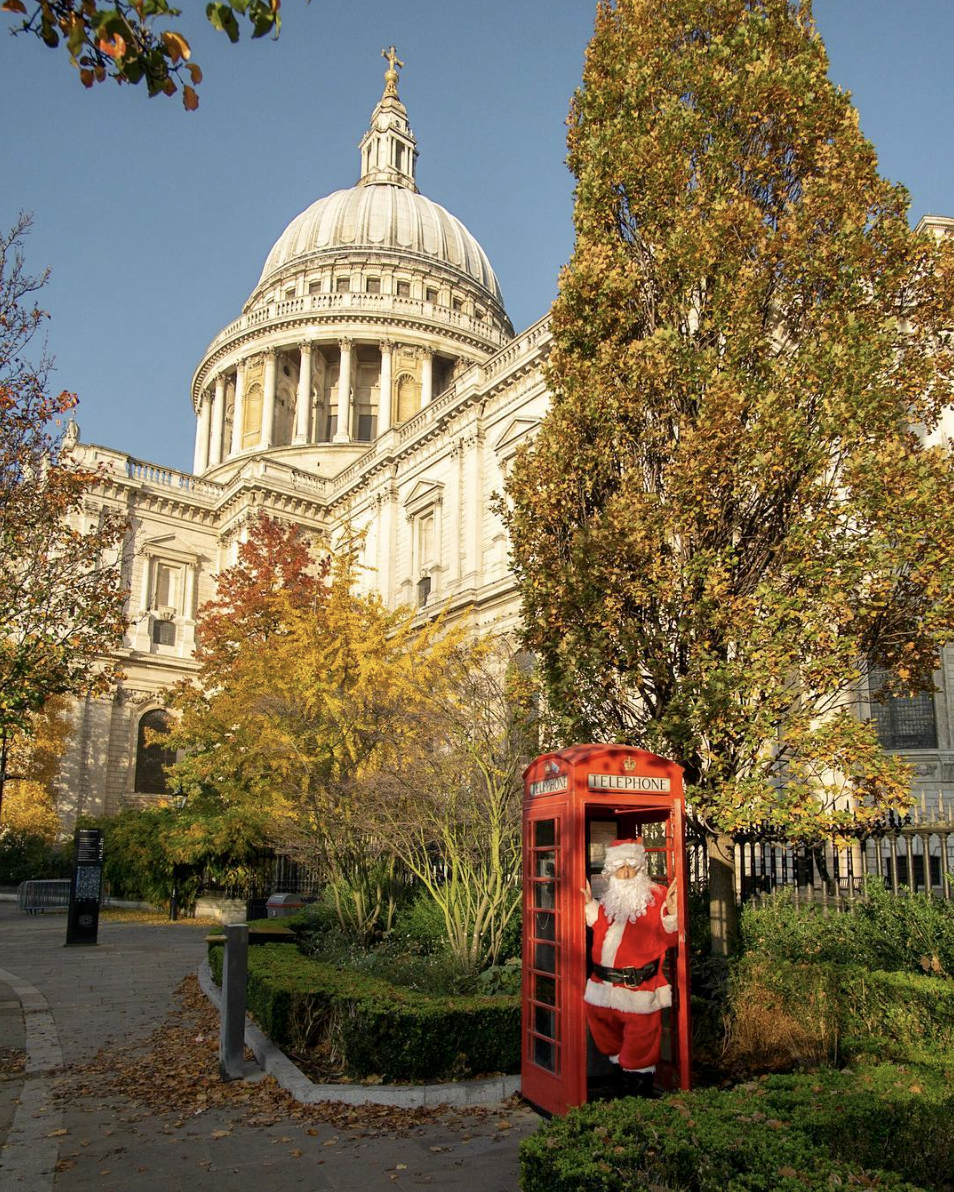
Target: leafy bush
point(786, 1014)
point(377, 1028)
point(25, 856)
point(884, 1123)
point(884, 932)
point(419, 925)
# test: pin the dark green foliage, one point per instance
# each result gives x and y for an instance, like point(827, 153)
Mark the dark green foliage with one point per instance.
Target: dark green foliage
point(812, 1131)
point(25, 857)
point(419, 925)
point(887, 931)
point(378, 1028)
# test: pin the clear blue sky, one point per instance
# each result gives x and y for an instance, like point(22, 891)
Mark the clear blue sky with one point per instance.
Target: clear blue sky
point(156, 222)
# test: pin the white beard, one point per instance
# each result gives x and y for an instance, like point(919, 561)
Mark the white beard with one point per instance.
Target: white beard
point(627, 898)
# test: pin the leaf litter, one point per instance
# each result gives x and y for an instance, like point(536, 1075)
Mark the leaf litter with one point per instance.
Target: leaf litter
point(174, 1073)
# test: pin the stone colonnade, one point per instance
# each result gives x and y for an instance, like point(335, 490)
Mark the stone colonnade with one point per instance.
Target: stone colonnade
point(211, 449)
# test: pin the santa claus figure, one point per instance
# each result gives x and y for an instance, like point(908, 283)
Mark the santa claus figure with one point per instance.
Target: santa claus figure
point(633, 925)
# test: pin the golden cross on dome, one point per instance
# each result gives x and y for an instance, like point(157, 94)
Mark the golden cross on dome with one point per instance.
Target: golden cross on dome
point(391, 74)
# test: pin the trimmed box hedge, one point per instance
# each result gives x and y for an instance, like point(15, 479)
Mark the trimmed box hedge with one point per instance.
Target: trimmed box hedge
point(378, 1029)
point(889, 1124)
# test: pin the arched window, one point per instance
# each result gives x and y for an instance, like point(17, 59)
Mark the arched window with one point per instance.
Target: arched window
point(152, 757)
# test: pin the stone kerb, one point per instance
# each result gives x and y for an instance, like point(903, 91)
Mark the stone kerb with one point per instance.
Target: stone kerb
point(488, 1091)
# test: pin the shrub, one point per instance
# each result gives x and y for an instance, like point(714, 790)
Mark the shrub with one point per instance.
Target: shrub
point(885, 931)
point(886, 1124)
point(25, 856)
point(786, 1014)
point(375, 1027)
point(420, 925)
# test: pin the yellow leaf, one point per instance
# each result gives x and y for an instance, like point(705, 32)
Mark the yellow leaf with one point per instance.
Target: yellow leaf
point(177, 46)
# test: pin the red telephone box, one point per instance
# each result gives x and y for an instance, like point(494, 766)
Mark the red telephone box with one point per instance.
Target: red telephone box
point(576, 802)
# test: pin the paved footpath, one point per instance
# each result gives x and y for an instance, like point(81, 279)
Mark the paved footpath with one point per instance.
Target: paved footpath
point(64, 1129)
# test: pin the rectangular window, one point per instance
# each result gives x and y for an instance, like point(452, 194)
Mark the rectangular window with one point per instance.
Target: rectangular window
point(430, 295)
point(425, 540)
point(314, 287)
point(332, 427)
point(366, 426)
point(902, 722)
point(342, 285)
point(423, 590)
point(372, 285)
point(164, 633)
point(290, 292)
point(404, 289)
point(167, 586)
point(457, 304)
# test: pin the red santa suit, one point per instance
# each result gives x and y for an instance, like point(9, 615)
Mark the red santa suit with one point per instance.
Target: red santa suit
point(625, 1019)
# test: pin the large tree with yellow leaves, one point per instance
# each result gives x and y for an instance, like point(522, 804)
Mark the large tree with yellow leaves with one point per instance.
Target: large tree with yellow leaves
point(738, 497)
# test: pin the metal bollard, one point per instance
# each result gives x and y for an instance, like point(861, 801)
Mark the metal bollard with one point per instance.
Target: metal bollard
point(232, 1013)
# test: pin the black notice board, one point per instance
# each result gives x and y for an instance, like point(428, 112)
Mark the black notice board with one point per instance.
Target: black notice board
point(86, 887)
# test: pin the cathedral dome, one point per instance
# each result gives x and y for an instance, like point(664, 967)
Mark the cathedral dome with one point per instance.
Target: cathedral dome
point(380, 217)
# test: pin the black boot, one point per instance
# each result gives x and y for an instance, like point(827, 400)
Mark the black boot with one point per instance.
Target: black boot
point(637, 1084)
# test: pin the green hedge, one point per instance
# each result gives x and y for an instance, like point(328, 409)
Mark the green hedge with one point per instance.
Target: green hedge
point(378, 1029)
point(888, 1123)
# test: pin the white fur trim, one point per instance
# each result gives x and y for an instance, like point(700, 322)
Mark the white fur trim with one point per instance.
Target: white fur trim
point(612, 941)
point(592, 912)
point(614, 1059)
point(630, 853)
point(669, 922)
point(630, 1001)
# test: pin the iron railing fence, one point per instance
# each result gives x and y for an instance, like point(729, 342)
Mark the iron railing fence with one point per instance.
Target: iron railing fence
point(908, 854)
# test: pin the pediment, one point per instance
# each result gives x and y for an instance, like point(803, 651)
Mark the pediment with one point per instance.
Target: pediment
point(515, 430)
point(170, 546)
point(423, 494)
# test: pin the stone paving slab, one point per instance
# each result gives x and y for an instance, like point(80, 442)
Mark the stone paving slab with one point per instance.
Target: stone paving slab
point(120, 991)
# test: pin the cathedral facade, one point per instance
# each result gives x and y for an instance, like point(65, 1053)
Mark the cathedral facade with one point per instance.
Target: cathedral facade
point(372, 380)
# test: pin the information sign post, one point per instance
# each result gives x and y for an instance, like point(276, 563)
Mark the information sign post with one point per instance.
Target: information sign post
point(85, 888)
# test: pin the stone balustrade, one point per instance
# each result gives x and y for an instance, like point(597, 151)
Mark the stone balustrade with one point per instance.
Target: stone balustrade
point(431, 313)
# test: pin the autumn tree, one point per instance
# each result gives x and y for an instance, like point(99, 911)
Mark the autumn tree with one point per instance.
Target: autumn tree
point(304, 684)
point(135, 41)
point(450, 805)
point(61, 592)
point(740, 498)
point(33, 761)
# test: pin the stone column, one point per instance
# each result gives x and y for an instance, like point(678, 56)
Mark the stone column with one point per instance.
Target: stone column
point(268, 402)
point(343, 434)
point(146, 581)
point(303, 397)
point(427, 377)
point(218, 420)
point(201, 459)
point(384, 387)
point(238, 412)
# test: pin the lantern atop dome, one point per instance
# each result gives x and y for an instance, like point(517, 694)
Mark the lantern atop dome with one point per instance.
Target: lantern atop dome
point(389, 148)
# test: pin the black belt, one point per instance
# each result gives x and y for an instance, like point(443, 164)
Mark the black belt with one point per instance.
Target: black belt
point(632, 978)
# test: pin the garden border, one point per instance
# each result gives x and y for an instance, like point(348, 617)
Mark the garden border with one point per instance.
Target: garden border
point(488, 1091)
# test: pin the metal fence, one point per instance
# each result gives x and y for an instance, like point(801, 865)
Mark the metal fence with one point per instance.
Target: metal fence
point(36, 896)
point(908, 855)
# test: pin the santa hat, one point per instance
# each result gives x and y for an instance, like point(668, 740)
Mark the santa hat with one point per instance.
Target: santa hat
point(623, 852)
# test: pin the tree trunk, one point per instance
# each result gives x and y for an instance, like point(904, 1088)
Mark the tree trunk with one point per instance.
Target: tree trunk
point(723, 910)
